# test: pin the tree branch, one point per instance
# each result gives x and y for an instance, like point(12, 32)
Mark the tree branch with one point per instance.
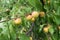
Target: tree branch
point(30, 30)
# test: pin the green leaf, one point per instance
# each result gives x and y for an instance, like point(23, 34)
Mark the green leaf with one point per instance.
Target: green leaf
point(58, 11)
point(1, 30)
point(41, 27)
point(23, 37)
point(57, 19)
point(36, 4)
point(4, 37)
point(51, 30)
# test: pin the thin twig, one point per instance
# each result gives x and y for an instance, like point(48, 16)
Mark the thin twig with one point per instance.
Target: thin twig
point(30, 29)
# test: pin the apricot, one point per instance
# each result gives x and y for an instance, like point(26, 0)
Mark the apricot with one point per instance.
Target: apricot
point(35, 14)
point(18, 21)
point(29, 17)
point(42, 14)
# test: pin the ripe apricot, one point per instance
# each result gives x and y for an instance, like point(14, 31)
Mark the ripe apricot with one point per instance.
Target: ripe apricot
point(35, 14)
point(29, 17)
point(45, 29)
point(42, 14)
point(18, 21)
point(33, 19)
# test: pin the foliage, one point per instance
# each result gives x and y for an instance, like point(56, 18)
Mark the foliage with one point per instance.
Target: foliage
point(45, 26)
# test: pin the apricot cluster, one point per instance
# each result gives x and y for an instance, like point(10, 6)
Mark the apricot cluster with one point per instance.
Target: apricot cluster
point(34, 15)
point(31, 17)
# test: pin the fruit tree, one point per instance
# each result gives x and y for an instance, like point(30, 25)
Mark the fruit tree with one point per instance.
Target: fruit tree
point(29, 19)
